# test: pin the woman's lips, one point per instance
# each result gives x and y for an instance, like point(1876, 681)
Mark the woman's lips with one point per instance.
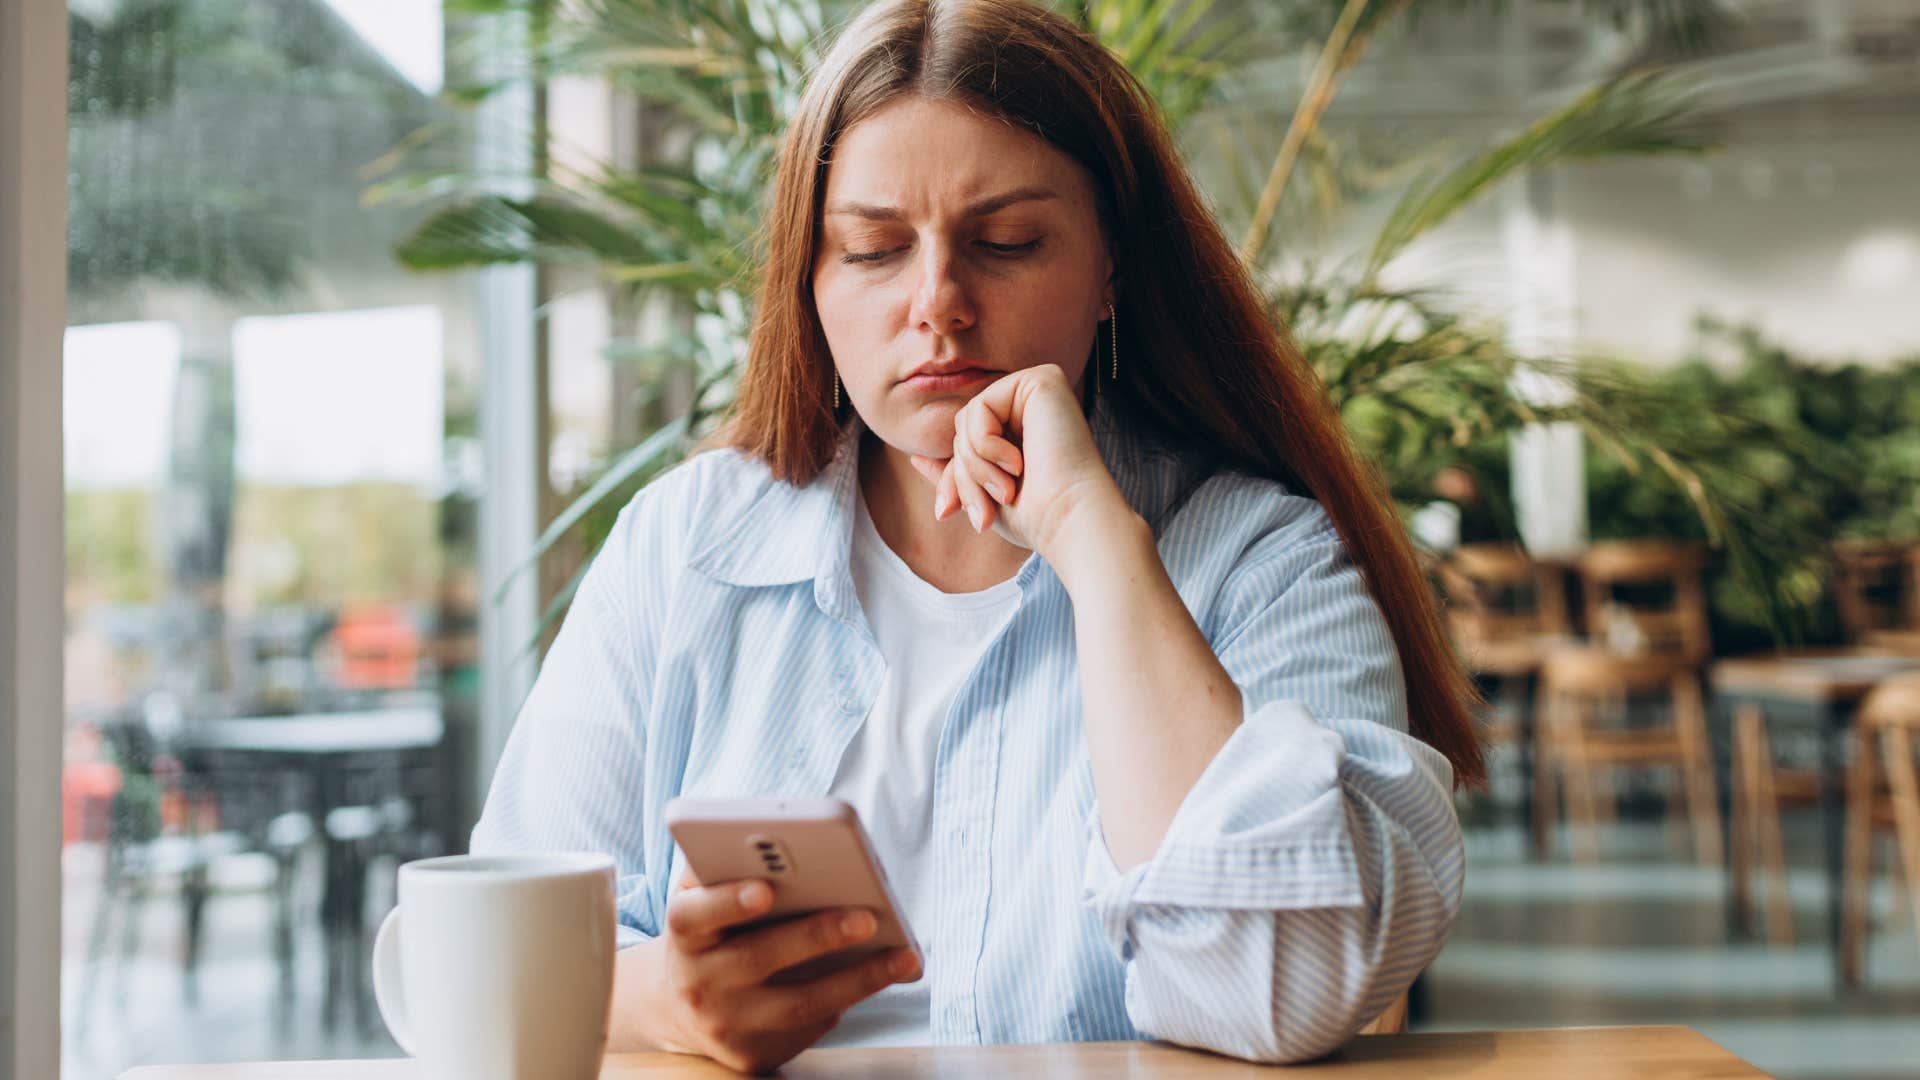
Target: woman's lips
point(930, 383)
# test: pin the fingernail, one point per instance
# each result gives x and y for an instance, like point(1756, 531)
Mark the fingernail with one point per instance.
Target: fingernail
point(999, 493)
point(902, 964)
point(856, 924)
point(752, 894)
point(973, 515)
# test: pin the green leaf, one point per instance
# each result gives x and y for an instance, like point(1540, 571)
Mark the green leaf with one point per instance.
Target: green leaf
point(660, 443)
point(1178, 49)
point(1643, 113)
point(484, 229)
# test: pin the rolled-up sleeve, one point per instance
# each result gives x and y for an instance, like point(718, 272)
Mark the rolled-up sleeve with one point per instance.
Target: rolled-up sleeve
point(569, 776)
point(1316, 866)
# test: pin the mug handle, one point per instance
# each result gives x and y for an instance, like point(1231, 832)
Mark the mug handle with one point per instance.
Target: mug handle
point(388, 990)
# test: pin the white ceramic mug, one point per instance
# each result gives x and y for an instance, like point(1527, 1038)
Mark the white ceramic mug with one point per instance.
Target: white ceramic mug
point(500, 967)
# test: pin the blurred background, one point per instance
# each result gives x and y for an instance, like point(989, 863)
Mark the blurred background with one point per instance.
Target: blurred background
point(382, 308)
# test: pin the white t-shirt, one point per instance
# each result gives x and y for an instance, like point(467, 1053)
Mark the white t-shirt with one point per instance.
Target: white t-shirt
point(930, 641)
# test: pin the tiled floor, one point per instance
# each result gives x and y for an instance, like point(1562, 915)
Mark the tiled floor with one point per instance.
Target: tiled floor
point(1639, 938)
point(141, 1013)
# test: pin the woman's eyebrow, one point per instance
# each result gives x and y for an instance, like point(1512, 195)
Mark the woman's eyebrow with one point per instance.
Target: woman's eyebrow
point(979, 208)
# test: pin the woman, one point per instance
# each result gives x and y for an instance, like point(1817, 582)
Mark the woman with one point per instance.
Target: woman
point(1109, 636)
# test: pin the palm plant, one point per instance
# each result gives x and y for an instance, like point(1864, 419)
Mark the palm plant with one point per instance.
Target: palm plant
point(1417, 382)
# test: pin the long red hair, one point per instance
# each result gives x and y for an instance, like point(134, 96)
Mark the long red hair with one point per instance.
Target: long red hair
point(1208, 364)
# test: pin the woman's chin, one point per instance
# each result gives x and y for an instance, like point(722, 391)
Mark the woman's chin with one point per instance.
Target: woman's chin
point(926, 430)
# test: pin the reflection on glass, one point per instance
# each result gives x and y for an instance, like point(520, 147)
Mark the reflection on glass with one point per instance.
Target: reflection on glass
point(269, 594)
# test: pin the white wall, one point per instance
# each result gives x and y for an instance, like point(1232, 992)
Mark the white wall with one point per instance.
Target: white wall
point(1816, 242)
point(1806, 222)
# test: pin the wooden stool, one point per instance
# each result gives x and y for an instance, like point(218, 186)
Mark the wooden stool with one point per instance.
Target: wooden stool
point(1760, 788)
point(1651, 646)
point(1883, 792)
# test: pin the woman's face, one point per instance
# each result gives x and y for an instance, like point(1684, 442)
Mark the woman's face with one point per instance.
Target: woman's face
point(954, 248)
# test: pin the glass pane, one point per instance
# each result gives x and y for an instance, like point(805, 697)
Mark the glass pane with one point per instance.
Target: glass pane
point(273, 458)
point(271, 600)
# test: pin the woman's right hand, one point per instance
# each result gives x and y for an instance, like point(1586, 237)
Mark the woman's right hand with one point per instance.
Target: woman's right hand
point(709, 989)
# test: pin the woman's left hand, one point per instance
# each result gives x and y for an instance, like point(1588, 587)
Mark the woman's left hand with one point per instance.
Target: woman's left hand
point(1024, 460)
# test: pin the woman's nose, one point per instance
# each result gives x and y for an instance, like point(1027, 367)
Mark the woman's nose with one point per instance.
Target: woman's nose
point(940, 300)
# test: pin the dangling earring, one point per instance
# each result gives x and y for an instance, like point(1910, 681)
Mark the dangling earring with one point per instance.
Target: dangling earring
point(1113, 336)
point(836, 391)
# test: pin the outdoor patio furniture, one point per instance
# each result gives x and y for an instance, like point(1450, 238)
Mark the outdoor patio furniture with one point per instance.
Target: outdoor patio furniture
point(1812, 695)
point(1883, 794)
point(1647, 628)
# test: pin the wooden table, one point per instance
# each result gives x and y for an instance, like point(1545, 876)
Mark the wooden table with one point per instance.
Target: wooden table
point(1625, 1053)
point(1813, 692)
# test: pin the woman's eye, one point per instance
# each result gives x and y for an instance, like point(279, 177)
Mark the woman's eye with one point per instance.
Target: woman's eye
point(1004, 251)
point(1009, 249)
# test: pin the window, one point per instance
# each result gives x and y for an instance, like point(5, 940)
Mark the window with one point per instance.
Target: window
point(272, 592)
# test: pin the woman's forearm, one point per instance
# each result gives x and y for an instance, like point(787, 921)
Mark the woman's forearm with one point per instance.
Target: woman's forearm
point(1157, 702)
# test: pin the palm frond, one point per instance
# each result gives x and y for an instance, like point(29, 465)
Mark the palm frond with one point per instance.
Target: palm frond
point(1671, 29)
point(1346, 42)
point(1419, 387)
point(489, 229)
point(1179, 49)
point(658, 448)
point(737, 67)
point(1663, 29)
point(1306, 23)
point(1644, 113)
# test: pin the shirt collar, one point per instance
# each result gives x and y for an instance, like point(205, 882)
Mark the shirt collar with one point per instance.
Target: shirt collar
point(785, 533)
point(789, 534)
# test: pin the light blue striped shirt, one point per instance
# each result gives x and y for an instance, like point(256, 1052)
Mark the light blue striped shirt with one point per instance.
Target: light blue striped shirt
point(717, 648)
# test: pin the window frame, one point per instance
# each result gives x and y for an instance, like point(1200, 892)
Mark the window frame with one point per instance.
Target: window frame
point(33, 311)
point(33, 259)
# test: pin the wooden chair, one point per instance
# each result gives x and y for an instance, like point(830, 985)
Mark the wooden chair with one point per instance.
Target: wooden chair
point(1500, 605)
point(1883, 793)
point(1505, 611)
point(1876, 590)
point(1640, 646)
point(1761, 788)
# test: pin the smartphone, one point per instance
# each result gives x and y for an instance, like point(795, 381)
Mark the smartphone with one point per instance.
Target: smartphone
point(813, 853)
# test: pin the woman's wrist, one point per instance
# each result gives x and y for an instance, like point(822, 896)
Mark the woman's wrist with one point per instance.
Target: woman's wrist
point(638, 1010)
point(1095, 540)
